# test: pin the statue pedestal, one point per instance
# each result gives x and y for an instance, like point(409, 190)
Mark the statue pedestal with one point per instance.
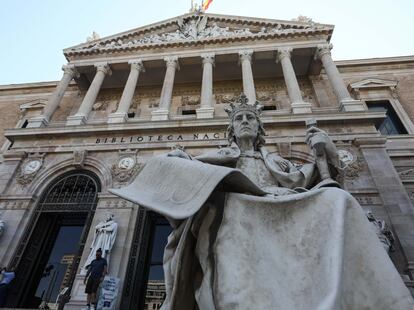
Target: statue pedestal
point(78, 299)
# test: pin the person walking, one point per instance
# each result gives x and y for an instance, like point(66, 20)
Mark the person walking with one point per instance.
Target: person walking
point(94, 276)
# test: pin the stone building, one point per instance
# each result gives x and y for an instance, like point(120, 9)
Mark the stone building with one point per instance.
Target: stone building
point(127, 97)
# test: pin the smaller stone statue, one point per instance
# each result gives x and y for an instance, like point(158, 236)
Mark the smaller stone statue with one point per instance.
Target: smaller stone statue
point(104, 238)
point(383, 232)
point(2, 226)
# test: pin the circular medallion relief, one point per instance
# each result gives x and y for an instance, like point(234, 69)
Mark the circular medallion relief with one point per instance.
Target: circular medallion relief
point(126, 163)
point(32, 166)
point(345, 156)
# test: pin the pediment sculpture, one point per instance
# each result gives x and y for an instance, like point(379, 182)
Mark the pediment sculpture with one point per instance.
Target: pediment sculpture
point(198, 28)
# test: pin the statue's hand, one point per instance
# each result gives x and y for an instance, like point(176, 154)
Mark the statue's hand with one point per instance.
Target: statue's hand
point(179, 153)
point(282, 163)
point(315, 135)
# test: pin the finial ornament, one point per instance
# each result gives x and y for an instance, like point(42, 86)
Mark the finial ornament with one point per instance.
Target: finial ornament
point(242, 104)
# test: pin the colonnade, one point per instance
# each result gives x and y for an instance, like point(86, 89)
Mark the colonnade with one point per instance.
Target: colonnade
point(206, 109)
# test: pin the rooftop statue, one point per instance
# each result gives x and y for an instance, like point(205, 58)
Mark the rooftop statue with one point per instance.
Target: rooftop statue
point(252, 230)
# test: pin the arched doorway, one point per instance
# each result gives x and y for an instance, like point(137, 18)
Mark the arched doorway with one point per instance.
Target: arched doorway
point(48, 255)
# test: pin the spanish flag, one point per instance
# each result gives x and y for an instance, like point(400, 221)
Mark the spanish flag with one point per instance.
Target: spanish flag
point(206, 4)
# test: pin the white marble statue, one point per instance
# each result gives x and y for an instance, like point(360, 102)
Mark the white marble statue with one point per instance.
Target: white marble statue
point(104, 239)
point(253, 231)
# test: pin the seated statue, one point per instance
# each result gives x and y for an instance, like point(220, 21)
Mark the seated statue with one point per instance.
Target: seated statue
point(254, 231)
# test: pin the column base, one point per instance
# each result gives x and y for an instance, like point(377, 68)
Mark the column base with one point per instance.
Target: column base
point(205, 112)
point(301, 107)
point(75, 120)
point(117, 117)
point(37, 121)
point(159, 115)
point(352, 105)
point(78, 295)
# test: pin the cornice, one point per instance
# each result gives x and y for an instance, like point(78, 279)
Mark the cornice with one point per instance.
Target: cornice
point(148, 126)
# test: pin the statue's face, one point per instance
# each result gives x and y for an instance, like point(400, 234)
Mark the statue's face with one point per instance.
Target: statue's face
point(245, 125)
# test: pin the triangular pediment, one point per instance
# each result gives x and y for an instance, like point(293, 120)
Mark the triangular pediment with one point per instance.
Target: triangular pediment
point(374, 83)
point(39, 103)
point(200, 29)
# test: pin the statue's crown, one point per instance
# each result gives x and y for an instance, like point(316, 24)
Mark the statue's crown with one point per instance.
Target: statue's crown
point(241, 104)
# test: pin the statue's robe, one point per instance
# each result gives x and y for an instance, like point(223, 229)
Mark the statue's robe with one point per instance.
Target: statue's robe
point(235, 246)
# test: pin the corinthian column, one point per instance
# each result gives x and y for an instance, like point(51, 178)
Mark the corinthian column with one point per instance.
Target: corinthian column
point(121, 114)
point(295, 95)
point(167, 90)
point(86, 106)
point(69, 72)
point(248, 81)
point(338, 85)
point(206, 109)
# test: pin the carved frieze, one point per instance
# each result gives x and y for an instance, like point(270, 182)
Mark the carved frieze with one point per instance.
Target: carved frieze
point(190, 100)
point(14, 204)
point(106, 100)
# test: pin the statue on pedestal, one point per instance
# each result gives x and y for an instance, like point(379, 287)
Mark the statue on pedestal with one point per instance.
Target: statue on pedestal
point(104, 239)
point(252, 230)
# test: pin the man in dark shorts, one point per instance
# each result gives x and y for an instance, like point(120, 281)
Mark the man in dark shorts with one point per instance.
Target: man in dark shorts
point(95, 275)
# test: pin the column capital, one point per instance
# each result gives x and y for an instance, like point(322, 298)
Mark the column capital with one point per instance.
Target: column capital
point(172, 61)
point(71, 70)
point(137, 65)
point(246, 55)
point(282, 53)
point(323, 49)
point(104, 67)
point(208, 58)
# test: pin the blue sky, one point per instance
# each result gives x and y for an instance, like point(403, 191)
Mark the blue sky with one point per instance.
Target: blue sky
point(33, 33)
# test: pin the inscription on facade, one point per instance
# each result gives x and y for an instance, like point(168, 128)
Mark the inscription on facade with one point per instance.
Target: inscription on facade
point(163, 138)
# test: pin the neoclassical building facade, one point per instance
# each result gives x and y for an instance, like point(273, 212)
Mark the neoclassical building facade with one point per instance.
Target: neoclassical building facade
point(125, 98)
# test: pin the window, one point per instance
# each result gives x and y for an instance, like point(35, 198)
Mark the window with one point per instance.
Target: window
point(269, 108)
point(188, 112)
point(391, 125)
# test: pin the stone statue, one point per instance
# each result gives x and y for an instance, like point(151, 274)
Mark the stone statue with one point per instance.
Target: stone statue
point(2, 226)
point(191, 28)
point(104, 238)
point(251, 230)
point(383, 232)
